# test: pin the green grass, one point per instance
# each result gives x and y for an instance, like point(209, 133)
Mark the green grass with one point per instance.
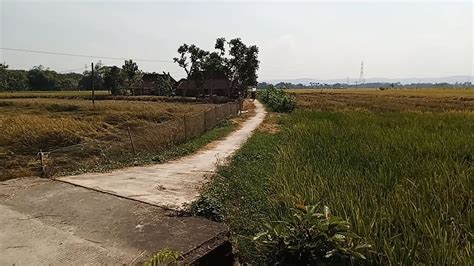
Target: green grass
point(402, 179)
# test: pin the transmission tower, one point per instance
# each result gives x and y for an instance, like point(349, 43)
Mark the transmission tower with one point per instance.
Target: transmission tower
point(361, 77)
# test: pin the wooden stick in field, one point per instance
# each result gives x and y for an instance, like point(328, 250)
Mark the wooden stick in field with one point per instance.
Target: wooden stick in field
point(93, 91)
point(131, 140)
point(41, 157)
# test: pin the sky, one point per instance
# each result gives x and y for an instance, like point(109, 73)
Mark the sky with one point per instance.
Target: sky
point(322, 40)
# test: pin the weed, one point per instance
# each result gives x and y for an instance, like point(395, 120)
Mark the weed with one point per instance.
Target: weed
point(164, 257)
point(310, 238)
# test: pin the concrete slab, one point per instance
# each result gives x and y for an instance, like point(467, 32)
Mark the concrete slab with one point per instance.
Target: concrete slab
point(174, 183)
point(46, 222)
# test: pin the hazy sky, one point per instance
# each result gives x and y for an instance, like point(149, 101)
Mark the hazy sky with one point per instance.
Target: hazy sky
point(321, 40)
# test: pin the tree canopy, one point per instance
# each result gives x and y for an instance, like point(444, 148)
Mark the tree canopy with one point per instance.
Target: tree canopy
point(114, 80)
point(235, 59)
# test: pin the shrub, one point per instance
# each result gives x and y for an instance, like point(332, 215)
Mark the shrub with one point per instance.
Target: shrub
point(310, 238)
point(278, 100)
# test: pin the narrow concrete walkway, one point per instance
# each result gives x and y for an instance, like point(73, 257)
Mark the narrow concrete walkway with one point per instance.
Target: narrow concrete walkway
point(174, 183)
point(46, 222)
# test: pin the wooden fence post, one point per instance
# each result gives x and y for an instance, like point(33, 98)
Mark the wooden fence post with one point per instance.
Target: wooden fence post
point(215, 114)
point(92, 80)
point(131, 140)
point(185, 129)
point(204, 121)
point(43, 167)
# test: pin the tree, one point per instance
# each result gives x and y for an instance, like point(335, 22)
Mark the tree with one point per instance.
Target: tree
point(130, 69)
point(41, 78)
point(243, 64)
point(69, 81)
point(17, 80)
point(86, 82)
point(240, 66)
point(37, 78)
point(3, 77)
point(114, 80)
point(192, 60)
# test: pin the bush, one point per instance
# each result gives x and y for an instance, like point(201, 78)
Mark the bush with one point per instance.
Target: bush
point(311, 238)
point(278, 100)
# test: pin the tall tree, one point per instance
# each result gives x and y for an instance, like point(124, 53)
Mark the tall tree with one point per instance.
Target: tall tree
point(41, 78)
point(114, 80)
point(240, 65)
point(192, 60)
point(17, 80)
point(130, 69)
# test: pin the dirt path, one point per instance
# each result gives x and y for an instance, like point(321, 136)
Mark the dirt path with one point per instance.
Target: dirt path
point(174, 183)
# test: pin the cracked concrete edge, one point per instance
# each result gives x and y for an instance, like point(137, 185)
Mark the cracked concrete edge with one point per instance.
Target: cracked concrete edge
point(167, 208)
point(193, 255)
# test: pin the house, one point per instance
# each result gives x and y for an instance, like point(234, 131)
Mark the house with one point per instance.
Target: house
point(215, 84)
point(156, 84)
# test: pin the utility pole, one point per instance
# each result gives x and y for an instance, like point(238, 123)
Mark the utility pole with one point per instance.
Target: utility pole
point(92, 78)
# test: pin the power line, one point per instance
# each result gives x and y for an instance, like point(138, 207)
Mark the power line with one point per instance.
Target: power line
point(85, 56)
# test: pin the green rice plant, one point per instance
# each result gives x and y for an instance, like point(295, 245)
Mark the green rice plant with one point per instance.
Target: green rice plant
point(402, 180)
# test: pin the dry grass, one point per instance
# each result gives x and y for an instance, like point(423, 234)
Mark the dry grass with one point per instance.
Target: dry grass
point(271, 124)
point(413, 100)
point(432, 92)
point(80, 133)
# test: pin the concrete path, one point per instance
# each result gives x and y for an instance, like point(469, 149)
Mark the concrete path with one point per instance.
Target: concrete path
point(174, 183)
point(46, 222)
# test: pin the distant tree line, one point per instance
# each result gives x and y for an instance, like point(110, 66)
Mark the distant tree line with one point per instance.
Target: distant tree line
point(39, 78)
point(375, 85)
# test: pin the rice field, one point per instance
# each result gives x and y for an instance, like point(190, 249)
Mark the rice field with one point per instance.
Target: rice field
point(80, 136)
point(400, 171)
point(405, 92)
point(388, 101)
